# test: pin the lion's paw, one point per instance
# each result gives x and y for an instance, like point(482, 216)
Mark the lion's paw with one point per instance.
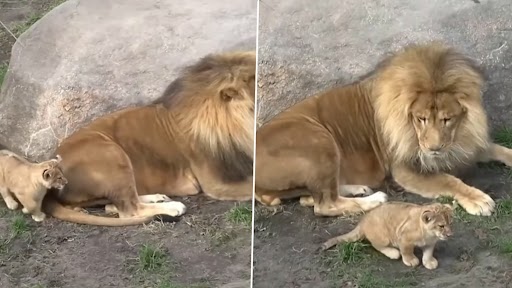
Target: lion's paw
point(111, 208)
point(356, 190)
point(478, 203)
point(154, 198)
point(372, 201)
point(174, 208)
point(307, 201)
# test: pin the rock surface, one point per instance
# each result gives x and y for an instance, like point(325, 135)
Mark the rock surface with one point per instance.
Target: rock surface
point(87, 58)
point(305, 48)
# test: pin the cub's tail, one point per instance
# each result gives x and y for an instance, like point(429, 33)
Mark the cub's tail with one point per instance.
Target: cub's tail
point(352, 236)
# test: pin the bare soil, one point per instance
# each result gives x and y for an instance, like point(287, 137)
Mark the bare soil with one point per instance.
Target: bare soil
point(478, 255)
point(204, 249)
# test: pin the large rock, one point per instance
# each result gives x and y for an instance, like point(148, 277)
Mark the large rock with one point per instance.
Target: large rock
point(305, 47)
point(86, 58)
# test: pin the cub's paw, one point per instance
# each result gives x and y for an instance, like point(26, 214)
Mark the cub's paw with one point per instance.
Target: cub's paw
point(411, 261)
point(477, 203)
point(174, 208)
point(154, 198)
point(430, 263)
point(39, 217)
point(24, 210)
point(391, 253)
point(11, 204)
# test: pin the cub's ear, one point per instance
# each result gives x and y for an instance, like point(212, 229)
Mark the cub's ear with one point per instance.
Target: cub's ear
point(448, 206)
point(427, 216)
point(47, 174)
point(230, 93)
point(53, 162)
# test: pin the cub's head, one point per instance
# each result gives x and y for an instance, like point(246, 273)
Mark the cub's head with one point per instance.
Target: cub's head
point(430, 108)
point(437, 220)
point(52, 174)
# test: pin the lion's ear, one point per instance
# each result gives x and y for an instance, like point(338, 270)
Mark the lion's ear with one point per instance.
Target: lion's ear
point(230, 93)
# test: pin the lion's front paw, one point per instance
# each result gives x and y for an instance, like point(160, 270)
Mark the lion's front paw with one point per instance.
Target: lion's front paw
point(477, 203)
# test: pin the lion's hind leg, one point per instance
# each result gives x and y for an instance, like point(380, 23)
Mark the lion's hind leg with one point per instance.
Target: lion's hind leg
point(355, 190)
point(154, 198)
point(151, 205)
point(499, 153)
point(343, 190)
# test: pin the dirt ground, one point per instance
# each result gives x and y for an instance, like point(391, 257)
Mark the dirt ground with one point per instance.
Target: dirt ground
point(209, 247)
point(478, 255)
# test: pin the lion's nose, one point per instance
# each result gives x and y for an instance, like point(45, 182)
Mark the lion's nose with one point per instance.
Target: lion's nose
point(435, 148)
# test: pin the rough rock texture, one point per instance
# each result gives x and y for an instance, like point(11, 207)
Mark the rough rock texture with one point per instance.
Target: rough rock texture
point(305, 48)
point(87, 58)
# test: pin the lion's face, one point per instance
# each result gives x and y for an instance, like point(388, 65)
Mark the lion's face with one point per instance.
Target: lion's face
point(436, 119)
point(437, 219)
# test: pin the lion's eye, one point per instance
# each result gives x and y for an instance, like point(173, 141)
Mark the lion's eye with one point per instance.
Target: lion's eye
point(446, 120)
point(422, 119)
point(441, 226)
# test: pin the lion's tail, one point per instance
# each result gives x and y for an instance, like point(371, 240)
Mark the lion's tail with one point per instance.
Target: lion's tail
point(57, 210)
point(352, 236)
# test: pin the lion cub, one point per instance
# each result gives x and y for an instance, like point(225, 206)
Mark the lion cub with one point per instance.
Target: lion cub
point(28, 182)
point(402, 225)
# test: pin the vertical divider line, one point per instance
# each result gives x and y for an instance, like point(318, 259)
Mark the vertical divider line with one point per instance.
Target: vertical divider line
point(254, 143)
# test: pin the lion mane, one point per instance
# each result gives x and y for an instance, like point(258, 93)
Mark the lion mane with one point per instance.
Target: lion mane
point(223, 133)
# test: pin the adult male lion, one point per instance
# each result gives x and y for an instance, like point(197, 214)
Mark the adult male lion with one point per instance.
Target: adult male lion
point(417, 117)
point(197, 137)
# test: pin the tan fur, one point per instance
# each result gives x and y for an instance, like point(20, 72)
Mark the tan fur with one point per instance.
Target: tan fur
point(28, 182)
point(418, 117)
point(197, 137)
point(404, 226)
